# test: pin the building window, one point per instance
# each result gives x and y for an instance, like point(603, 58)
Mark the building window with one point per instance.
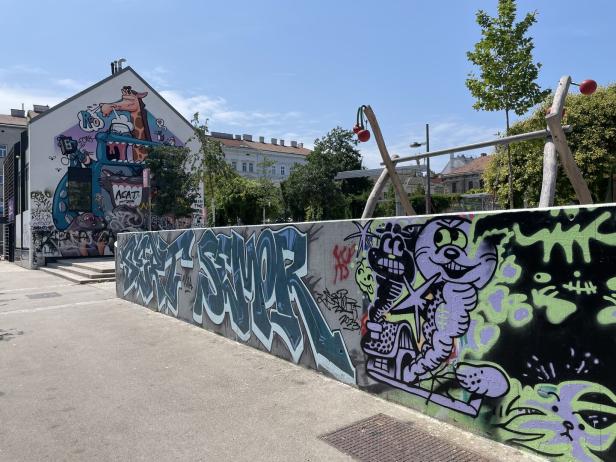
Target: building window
point(454, 188)
point(244, 167)
point(234, 165)
point(1, 179)
point(470, 185)
point(481, 184)
point(2, 150)
point(79, 189)
point(250, 167)
point(282, 170)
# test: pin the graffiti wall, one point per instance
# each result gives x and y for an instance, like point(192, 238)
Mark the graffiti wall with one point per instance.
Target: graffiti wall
point(90, 159)
point(504, 324)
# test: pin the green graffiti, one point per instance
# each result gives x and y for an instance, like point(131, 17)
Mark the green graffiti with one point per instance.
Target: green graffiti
point(608, 315)
point(576, 235)
point(561, 421)
point(365, 279)
point(557, 309)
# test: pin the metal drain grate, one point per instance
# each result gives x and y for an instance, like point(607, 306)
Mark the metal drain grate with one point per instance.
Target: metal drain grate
point(44, 295)
point(382, 438)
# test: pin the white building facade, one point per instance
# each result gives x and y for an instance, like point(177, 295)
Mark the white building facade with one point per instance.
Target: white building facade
point(260, 159)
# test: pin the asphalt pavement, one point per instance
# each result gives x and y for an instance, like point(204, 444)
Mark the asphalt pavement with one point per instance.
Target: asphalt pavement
point(85, 376)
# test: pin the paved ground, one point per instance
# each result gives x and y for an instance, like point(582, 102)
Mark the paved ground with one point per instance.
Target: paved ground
point(86, 376)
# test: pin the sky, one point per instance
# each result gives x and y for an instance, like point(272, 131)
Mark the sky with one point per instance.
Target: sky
point(294, 70)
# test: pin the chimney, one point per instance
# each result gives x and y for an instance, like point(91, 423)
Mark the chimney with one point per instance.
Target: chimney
point(483, 154)
point(261, 139)
point(281, 142)
point(238, 137)
point(274, 141)
point(40, 108)
point(247, 137)
point(294, 144)
point(301, 145)
point(18, 113)
point(113, 67)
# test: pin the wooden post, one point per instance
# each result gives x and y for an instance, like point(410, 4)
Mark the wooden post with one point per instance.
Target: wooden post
point(553, 120)
point(550, 171)
point(373, 198)
point(389, 165)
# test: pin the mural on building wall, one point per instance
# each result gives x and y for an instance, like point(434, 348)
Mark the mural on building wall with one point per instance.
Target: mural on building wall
point(502, 323)
point(103, 155)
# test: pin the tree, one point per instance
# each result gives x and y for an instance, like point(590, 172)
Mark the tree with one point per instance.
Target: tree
point(592, 142)
point(508, 73)
point(243, 201)
point(209, 164)
point(174, 187)
point(311, 192)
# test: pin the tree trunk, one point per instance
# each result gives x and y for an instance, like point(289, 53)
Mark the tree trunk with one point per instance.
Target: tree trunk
point(509, 167)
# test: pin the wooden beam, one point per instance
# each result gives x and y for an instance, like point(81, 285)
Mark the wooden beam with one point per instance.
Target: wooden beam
point(553, 120)
point(389, 165)
point(376, 192)
point(550, 172)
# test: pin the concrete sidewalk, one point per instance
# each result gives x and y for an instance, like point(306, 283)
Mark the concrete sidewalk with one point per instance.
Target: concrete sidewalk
point(86, 376)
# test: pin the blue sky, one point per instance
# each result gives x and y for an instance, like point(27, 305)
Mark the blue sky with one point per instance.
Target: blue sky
point(294, 70)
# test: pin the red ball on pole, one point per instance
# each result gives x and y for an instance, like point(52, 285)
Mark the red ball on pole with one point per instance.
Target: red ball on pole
point(363, 135)
point(588, 87)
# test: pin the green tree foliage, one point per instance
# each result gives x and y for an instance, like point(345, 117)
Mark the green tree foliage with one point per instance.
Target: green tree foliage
point(174, 187)
point(242, 201)
point(592, 142)
point(210, 165)
point(311, 193)
point(507, 71)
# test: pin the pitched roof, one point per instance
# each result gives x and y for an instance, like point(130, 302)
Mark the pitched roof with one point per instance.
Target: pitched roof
point(477, 165)
point(262, 146)
point(10, 120)
point(106, 79)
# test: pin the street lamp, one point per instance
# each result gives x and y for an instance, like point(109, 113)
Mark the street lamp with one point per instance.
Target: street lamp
point(427, 143)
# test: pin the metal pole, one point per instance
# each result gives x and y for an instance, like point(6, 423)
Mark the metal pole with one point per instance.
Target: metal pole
point(469, 147)
point(428, 196)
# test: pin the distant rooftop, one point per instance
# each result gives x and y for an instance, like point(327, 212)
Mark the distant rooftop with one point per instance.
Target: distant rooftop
point(246, 141)
point(475, 165)
point(18, 117)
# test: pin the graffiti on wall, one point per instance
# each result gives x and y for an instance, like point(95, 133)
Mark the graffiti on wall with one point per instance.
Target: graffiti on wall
point(256, 285)
point(503, 323)
point(103, 156)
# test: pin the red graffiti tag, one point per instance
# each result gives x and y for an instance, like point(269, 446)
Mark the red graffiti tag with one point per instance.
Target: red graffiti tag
point(343, 256)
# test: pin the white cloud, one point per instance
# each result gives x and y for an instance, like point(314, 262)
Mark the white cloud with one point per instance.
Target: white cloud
point(72, 85)
point(223, 117)
point(12, 97)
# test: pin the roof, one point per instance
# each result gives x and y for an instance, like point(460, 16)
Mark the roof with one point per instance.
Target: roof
point(477, 165)
point(262, 146)
point(10, 120)
point(106, 79)
point(375, 172)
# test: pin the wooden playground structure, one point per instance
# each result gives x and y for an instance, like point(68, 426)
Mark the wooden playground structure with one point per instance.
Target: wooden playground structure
point(555, 144)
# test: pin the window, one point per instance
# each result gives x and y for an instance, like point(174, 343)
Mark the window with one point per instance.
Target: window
point(2, 150)
point(454, 188)
point(234, 165)
point(251, 167)
point(470, 185)
point(282, 170)
point(1, 179)
point(244, 167)
point(79, 189)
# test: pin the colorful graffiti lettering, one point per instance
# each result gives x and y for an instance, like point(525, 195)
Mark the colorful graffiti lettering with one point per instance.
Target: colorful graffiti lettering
point(257, 284)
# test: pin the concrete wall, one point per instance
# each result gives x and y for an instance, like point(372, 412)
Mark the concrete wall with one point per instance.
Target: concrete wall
point(503, 323)
point(104, 131)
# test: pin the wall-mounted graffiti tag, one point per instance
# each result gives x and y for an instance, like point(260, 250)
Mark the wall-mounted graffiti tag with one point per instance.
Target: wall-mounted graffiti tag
point(502, 323)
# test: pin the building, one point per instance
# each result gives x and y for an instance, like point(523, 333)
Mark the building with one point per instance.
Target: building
point(258, 159)
point(11, 127)
point(467, 176)
point(77, 169)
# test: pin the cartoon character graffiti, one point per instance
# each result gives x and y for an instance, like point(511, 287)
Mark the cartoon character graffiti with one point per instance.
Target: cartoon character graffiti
point(432, 272)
